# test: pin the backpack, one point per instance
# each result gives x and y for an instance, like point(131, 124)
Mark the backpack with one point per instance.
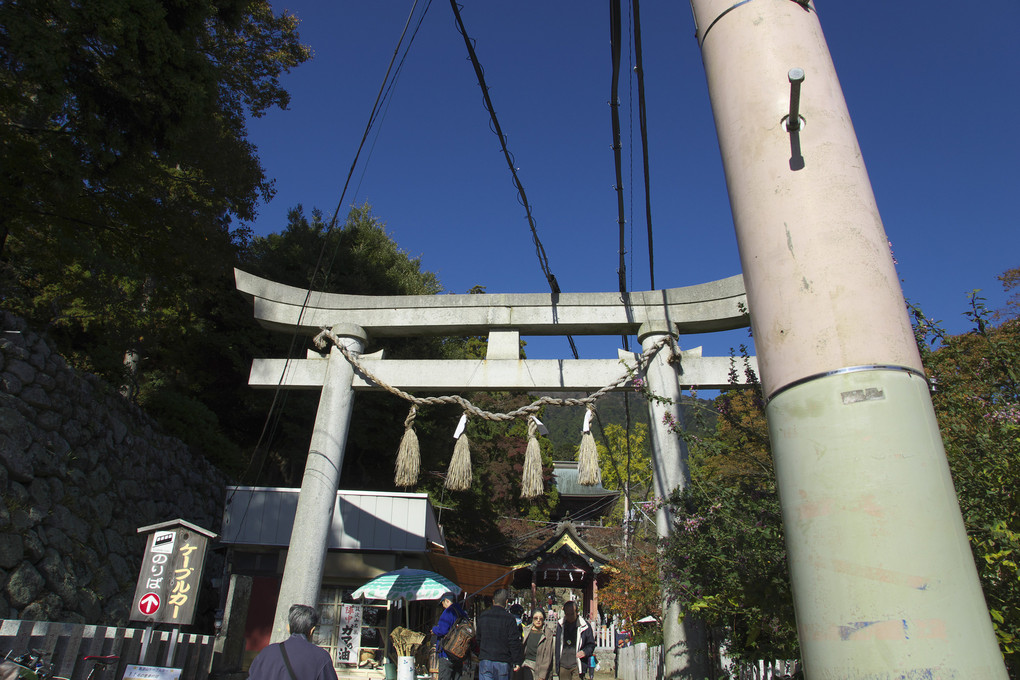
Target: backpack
point(457, 642)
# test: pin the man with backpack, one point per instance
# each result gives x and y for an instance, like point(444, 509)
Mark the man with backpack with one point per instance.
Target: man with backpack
point(450, 668)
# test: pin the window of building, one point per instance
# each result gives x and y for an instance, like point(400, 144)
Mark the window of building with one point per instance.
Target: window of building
point(353, 632)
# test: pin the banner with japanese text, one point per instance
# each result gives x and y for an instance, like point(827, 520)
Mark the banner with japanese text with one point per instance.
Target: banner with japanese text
point(349, 634)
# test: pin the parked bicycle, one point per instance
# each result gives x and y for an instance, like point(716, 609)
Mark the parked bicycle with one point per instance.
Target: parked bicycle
point(100, 664)
point(32, 665)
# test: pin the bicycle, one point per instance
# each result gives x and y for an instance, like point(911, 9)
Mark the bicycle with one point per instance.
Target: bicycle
point(32, 665)
point(100, 664)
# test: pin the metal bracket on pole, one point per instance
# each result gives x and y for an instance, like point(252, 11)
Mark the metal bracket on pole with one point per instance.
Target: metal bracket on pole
point(792, 122)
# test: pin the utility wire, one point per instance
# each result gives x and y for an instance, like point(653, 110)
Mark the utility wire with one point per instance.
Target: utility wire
point(371, 120)
point(522, 197)
point(387, 98)
point(615, 32)
point(274, 415)
point(640, 72)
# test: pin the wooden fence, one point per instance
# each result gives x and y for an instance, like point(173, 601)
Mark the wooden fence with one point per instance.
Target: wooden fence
point(641, 662)
point(767, 670)
point(64, 645)
point(605, 637)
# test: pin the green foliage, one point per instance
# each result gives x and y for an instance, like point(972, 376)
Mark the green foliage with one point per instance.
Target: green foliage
point(725, 562)
point(977, 402)
point(358, 259)
point(122, 126)
point(195, 424)
point(726, 565)
point(627, 460)
point(633, 590)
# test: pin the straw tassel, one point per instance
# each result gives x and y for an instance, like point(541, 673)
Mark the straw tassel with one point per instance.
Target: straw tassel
point(408, 454)
point(588, 473)
point(458, 476)
point(531, 483)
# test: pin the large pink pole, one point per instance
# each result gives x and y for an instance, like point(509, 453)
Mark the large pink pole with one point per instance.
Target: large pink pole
point(884, 583)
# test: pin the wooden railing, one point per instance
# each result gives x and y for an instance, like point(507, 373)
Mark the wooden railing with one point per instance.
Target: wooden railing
point(605, 637)
point(64, 645)
point(639, 662)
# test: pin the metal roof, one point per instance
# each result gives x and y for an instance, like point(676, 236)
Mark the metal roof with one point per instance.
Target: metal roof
point(565, 475)
point(362, 520)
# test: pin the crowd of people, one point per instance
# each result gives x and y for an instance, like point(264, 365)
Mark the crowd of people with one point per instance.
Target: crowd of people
point(507, 644)
point(511, 646)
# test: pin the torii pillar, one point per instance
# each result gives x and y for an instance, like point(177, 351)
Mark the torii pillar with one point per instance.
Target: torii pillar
point(302, 574)
point(685, 642)
point(884, 583)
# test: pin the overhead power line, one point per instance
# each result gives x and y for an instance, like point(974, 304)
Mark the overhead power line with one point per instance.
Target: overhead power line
point(640, 72)
point(522, 197)
point(274, 414)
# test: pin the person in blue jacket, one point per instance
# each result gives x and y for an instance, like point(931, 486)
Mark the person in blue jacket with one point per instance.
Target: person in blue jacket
point(449, 669)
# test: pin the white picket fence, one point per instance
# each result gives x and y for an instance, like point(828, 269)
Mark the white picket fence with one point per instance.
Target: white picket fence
point(605, 637)
point(641, 662)
point(766, 670)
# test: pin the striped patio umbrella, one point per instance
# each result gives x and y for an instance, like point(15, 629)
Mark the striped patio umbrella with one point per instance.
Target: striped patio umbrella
point(407, 584)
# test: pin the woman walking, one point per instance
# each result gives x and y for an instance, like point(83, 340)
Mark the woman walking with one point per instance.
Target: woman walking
point(539, 641)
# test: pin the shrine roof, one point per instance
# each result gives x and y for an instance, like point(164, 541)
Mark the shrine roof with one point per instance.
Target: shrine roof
point(566, 539)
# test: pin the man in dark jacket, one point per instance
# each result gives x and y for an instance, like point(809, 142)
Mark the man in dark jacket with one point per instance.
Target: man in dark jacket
point(575, 643)
point(449, 669)
point(308, 661)
point(499, 640)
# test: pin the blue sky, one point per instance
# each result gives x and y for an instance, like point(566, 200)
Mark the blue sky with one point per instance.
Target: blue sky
point(934, 94)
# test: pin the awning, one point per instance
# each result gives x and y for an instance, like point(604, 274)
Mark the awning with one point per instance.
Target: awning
point(476, 578)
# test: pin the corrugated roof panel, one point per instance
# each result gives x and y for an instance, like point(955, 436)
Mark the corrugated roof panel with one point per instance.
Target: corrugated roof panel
point(565, 478)
point(407, 515)
point(362, 520)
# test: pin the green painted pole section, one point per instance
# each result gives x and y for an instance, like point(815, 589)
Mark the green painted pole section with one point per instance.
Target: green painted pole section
point(883, 580)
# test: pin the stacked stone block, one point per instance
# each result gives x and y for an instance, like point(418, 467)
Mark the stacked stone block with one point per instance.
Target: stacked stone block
point(81, 468)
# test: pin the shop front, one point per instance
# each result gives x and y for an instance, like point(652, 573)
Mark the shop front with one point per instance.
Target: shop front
point(371, 533)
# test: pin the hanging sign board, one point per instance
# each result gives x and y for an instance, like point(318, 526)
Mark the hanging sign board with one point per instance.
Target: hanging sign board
point(171, 574)
point(349, 637)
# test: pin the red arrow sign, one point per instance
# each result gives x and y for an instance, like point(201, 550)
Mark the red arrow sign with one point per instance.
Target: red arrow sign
point(149, 604)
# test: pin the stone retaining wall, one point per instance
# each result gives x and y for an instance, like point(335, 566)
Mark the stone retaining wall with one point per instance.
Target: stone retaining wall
point(81, 468)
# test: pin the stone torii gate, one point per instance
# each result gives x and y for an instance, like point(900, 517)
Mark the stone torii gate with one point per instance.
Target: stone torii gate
point(652, 315)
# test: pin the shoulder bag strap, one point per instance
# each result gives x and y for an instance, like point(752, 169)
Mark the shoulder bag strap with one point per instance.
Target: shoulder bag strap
point(286, 660)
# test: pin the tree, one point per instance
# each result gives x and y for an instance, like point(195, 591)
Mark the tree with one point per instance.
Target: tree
point(634, 589)
point(976, 376)
point(725, 561)
point(123, 132)
point(614, 451)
